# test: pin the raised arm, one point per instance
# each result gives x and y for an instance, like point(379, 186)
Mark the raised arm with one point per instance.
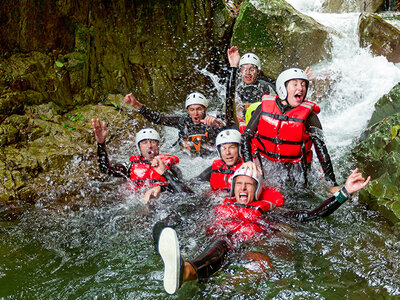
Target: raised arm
point(354, 183)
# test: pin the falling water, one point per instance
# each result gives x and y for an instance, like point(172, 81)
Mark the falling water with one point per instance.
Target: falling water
point(99, 246)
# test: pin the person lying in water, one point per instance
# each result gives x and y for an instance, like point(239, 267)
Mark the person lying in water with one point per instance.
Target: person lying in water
point(149, 169)
point(238, 219)
point(197, 131)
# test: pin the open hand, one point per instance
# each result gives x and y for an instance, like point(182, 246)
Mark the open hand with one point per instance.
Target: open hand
point(131, 100)
point(356, 182)
point(100, 130)
point(233, 56)
point(152, 193)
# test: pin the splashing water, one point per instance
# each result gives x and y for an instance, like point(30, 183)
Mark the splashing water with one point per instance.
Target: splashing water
point(102, 248)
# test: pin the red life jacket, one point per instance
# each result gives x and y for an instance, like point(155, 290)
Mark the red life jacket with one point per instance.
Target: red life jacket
point(243, 220)
point(142, 174)
point(283, 137)
point(221, 175)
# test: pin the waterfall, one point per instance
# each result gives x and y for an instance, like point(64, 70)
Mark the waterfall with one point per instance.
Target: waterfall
point(359, 78)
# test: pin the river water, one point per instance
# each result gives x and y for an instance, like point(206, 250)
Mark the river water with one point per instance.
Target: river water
point(99, 245)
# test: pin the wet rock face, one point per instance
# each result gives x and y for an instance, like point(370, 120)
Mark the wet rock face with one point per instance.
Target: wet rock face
point(378, 154)
point(281, 36)
point(94, 47)
point(382, 37)
point(339, 6)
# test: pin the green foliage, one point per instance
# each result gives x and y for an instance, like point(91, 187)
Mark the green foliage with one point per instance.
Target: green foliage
point(76, 117)
point(68, 127)
point(59, 64)
point(395, 131)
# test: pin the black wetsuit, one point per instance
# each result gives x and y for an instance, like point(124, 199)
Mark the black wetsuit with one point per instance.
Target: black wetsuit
point(172, 175)
point(313, 128)
point(186, 128)
point(246, 93)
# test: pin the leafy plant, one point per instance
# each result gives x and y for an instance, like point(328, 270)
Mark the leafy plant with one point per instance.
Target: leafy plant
point(68, 127)
point(395, 131)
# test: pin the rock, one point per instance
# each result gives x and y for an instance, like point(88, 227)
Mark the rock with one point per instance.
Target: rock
point(387, 106)
point(382, 37)
point(281, 36)
point(340, 6)
point(378, 155)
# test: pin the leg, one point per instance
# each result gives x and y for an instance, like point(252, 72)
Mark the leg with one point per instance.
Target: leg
point(210, 260)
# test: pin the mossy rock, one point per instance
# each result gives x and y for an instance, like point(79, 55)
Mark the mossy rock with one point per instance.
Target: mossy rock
point(386, 106)
point(280, 35)
point(382, 37)
point(378, 155)
point(340, 6)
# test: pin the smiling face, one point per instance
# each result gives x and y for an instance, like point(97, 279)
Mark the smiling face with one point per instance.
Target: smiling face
point(245, 188)
point(297, 89)
point(249, 73)
point(149, 149)
point(196, 112)
point(229, 153)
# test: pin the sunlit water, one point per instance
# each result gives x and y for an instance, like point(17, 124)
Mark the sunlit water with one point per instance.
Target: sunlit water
point(99, 245)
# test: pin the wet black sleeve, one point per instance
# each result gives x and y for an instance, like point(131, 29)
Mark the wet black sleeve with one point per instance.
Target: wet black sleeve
point(175, 184)
point(230, 113)
point(314, 128)
point(117, 170)
point(205, 175)
point(325, 209)
point(249, 133)
point(159, 118)
point(176, 171)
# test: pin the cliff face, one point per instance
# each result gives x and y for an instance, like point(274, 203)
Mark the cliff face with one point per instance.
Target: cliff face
point(149, 47)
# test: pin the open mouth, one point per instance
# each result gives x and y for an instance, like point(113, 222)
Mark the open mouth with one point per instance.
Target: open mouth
point(298, 96)
point(243, 197)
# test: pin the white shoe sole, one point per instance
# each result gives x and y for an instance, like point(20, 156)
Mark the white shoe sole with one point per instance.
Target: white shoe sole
point(168, 247)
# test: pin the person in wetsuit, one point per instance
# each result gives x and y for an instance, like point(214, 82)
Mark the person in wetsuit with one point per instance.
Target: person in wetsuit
point(220, 173)
point(251, 86)
point(238, 219)
point(197, 131)
point(149, 169)
point(286, 127)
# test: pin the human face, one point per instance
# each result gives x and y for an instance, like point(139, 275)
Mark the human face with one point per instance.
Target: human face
point(149, 149)
point(296, 89)
point(229, 153)
point(249, 73)
point(245, 188)
point(196, 112)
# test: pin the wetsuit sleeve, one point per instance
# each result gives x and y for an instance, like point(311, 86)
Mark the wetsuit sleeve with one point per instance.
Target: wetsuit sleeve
point(175, 184)
point(230, 114)
point(205, 175)
point(249, 133)
point(117, 170)
point(159, 118)
point(325, 209)
point(176, 171)
point(314, 128)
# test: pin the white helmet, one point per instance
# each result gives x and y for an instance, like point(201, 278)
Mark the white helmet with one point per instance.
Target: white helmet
point(254, 175)
point(285, 76)
point(146, 134)
point(228, 136)
point(250, 58)
point(196, 98)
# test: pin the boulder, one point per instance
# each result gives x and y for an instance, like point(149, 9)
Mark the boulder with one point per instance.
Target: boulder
point(340, 6)
point(280, 35)
point(382, 37)
point(378, 155)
